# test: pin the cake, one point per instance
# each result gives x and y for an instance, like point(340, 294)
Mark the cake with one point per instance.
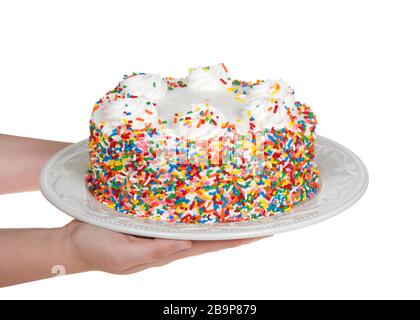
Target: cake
point(201, 149)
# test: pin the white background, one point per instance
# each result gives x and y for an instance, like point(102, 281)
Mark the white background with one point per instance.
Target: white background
point(355, 62)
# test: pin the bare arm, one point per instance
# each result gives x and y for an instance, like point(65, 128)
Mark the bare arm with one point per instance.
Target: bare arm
point(21, 160)
point(33, 254)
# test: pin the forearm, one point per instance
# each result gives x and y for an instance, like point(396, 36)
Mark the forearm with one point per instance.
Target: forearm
point(34, 254)
point(21, 161)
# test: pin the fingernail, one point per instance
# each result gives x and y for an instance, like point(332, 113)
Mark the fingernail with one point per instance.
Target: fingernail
point(269, 236)
point(250, 240)
point(183, 245)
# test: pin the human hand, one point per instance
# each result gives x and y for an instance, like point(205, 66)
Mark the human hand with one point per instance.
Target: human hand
point(33, 254)
point(94, 248)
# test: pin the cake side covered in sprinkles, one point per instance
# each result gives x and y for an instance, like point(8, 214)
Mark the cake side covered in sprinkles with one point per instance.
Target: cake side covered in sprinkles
point(201, 149)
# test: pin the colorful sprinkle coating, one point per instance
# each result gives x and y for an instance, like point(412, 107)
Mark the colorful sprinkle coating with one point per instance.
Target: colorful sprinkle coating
point(145, 173)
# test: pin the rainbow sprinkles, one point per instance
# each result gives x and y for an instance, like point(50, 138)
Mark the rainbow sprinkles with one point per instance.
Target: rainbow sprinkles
point(201, 149)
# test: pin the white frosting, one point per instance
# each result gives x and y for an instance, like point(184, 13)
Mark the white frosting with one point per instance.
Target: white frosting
point(151, 86)
point(114, 112)
point(267, 113)
point(180, 101)
point(208, 78)
point(277, 89)
point(265, 105)
point(202, 121)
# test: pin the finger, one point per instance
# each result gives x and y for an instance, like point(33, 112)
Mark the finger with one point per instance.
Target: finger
point(198, 247)
point(72, 224)
point(156, 249)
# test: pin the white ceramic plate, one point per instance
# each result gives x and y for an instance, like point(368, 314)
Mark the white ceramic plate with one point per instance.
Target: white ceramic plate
point(344, 179)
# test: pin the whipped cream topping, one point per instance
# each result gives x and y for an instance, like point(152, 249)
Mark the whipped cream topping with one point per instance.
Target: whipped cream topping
point(151, 86)
point(113, 112)
point(209, 78)
point(277, 89)
point(202, 121)
point(267, 113)
point(197, 106)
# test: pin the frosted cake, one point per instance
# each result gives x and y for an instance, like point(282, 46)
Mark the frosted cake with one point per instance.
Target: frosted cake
point(201, 149)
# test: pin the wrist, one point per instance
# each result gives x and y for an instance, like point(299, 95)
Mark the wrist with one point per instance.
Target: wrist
point(74, 263)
